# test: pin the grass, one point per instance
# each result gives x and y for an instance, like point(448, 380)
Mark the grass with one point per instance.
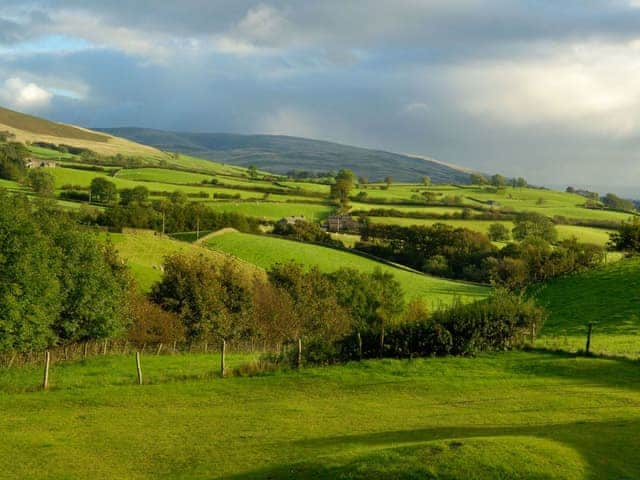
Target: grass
point(274, 211)
point(609, 297)
point(547, 202)
point(265, 251)
point(509, 415)
point(593, 235)
point(145, 252)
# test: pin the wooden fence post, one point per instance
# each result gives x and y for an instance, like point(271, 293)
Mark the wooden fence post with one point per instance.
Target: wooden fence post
point(138, 368)
point(588, 349)
point(223, 351)
point(47, 361)
point(299, 362)
point(533, 333)
point(84, 349)
point(159, 349)
point(359, 346)
point(105, 345)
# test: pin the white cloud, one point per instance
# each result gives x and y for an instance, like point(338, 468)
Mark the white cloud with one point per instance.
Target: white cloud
point(588, 87)
point(20, 94)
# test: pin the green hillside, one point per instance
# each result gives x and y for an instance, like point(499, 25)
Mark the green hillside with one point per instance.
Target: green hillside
point(608, 297)
point(145, 252)
point(280, 154)
point(265, 251)
point(520, 415)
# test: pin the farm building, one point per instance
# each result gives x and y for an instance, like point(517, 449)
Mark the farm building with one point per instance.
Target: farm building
point(342, 223)
point(38, 163)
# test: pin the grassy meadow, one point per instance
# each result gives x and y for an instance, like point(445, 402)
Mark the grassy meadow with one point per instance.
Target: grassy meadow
point(265, 251)
point(508, 415)
point(608, 297)
point(145, 252)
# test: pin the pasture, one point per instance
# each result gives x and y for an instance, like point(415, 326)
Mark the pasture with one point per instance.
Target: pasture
point(265, 251)
point(273, 210)
point(507, 415)
point(608, 297)
point(145, 251)
point(597, 236)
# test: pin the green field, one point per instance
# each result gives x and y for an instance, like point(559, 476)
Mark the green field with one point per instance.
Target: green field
point(265, 251)
point(144, 253)
point(547, 202)
point(609, 297)
point(511, 415)
point(274, 211)
point(593, 235)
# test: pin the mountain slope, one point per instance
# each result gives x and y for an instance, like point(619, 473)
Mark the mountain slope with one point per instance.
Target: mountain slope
point(28, 128)
point(281, 154)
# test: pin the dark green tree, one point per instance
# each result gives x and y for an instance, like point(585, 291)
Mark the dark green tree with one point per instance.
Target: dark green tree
point(103, 191)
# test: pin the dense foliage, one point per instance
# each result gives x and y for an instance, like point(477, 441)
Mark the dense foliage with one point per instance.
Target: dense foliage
point(460, 253)
point(305, 232)
point(57, 283)
point(627, 238)
point(12, 160)
point(175, 214)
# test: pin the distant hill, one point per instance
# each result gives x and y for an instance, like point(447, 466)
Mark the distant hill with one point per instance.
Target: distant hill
point(28, 128)
point(281, 154)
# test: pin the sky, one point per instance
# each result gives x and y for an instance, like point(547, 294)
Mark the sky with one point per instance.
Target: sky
point(546, 89)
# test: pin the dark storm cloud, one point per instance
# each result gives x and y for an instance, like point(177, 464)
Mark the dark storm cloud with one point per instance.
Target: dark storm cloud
point(538, 88)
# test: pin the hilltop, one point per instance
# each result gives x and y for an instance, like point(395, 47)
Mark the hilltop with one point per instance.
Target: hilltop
point(281, 154)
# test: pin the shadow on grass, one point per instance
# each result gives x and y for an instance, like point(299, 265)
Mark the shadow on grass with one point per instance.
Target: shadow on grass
point(598, 450)
point(592, 369)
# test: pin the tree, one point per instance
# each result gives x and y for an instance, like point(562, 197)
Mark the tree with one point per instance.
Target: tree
point(521, 182)
point(426, 180)
point(534, 225)
point(252, 171)
point(62, 285)
point(190, 288)
point(478, 179)
point(498, 180)
point(388, 180)
point(12, 160)
point(498, 232)
point(613, 201)
point(138, 194)
point(103, 191)
point(41, 182)
point(627, 238)
point(363, 180)
point(344, 183)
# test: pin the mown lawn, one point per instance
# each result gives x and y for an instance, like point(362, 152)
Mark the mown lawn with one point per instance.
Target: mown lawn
point(510, 415)
point(608, 297)
point(265, 251)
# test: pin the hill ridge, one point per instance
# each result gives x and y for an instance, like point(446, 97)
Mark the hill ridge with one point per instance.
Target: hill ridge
point(284, 153)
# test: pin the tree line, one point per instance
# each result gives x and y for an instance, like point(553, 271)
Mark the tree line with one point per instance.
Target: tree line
point(535, 256)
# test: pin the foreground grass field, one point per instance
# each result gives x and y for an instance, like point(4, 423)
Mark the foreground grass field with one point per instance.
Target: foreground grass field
point(608, 297)
point(265, 251)
point(510, 415)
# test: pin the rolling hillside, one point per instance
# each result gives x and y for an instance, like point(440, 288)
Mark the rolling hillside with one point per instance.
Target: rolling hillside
point(28, 128)
point(280, 154)
point(265, 251)
point(608, 297)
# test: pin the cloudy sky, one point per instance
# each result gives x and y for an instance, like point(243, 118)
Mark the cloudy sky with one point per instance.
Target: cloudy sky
point(549, 89)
